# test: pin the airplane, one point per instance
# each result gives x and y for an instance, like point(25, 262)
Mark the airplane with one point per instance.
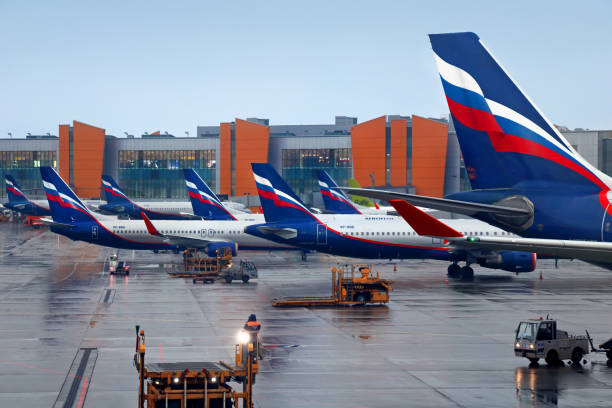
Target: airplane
point(72, 219)
point(207, 205)
point(17, 200)
point(119, 203)
point(289, 221)
point(337, 202)
point(526, 177)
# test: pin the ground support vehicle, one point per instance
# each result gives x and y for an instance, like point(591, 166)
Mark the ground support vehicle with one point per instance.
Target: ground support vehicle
point(605, 347)
point(357, 287)
point(199, 384)
point(117, 267)
point(540, 338)
point(204, 269)
point(245, 272)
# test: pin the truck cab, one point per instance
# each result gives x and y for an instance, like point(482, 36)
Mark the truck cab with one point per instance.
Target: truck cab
point(540, 338)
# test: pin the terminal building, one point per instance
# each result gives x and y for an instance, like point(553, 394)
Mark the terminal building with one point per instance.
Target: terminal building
point(403, 153)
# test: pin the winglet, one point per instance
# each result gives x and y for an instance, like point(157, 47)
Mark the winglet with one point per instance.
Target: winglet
point(152, 230)
point(423, 223)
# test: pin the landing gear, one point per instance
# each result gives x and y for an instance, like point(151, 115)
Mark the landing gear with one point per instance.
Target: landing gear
point(467, 273)
point(454, 270)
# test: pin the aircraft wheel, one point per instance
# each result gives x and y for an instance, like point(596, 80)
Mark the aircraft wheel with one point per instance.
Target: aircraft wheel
point(467, 273)
point(454, 270)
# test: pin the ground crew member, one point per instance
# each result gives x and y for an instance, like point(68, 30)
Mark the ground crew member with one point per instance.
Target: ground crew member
point(252, 326)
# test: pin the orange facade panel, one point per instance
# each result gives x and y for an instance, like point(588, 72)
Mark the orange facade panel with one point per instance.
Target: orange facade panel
point(429, 139)
point(252, 142)
point(399, 151)
point(88, 158)
point(368, 147)
point(64, 152)
point(225, 159)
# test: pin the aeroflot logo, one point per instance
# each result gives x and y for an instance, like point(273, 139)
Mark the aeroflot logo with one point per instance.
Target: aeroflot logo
point(11, 187)
point(202, 194)
point(54, 195)
point(108, 187)
point(281, 196)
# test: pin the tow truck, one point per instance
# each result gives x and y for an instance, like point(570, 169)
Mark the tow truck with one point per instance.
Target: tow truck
point(540, 338)
point(117, 267)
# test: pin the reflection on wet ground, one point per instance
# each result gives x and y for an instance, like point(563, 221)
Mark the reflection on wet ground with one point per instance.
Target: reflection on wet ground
point(437, 344)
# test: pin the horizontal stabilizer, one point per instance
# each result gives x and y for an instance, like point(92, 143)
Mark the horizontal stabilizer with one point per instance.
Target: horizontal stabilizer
point(50, 223)
point(442, 204)
point(286, 233)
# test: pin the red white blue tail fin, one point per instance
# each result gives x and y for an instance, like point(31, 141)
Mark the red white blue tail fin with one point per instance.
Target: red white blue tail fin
point(505, 139)
point(64, 204)
point(205, 203)
point(278, 201)
point(334, 199)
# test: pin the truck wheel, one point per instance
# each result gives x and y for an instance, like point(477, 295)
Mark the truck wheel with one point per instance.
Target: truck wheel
point(228, 279)
point(533, 362)
point(245, 278)
point(577, 355)
point(552, 359)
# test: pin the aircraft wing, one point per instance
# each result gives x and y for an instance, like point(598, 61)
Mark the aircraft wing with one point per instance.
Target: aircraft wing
point(442, 204)
point(187, 242)
point(424, 224)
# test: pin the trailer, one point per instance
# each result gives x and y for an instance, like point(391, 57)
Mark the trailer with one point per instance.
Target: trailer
point(199, 384)
point(204, 269)
point(359, 286)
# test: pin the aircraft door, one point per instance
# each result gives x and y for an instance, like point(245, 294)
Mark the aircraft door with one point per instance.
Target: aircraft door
point(94, 232)
point(606, 225)
point(321, 235)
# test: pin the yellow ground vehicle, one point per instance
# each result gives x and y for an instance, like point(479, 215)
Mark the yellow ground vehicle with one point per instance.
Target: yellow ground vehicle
point(357, 287)
point(198, 384)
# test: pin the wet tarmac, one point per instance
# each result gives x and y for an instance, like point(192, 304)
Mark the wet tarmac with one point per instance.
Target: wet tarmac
point(436, 344)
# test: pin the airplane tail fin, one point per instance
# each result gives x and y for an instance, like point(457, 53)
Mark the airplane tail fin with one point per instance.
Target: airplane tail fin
point(112, 192)
point(278, 201)
point(505, 139)
point(204, 201)
point(64, 204)
point(334, 199)
point(13, 191)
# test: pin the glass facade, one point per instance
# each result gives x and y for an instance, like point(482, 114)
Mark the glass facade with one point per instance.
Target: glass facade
point(299, 167)
point(606, 156)
point(157, 173)
point(23, 165)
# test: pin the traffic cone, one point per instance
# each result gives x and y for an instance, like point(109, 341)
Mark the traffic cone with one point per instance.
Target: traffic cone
point(394, 268)
point(446, 279)
point(540, 275)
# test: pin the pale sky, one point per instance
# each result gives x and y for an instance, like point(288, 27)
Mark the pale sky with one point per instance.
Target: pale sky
point(157, 65)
